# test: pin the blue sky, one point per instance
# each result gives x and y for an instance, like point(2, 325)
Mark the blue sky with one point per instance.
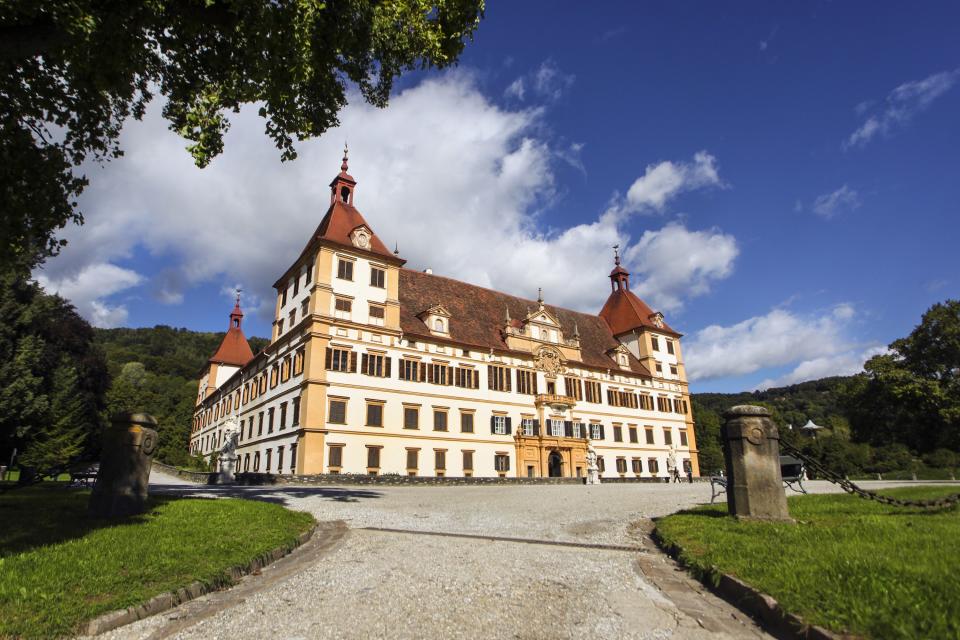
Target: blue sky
point(783, 178)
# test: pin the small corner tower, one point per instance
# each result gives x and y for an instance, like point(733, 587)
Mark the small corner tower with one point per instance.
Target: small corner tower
point(234, 352)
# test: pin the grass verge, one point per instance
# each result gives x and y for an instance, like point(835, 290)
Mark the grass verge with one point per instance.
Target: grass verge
point(60, 568)
point(848, 564)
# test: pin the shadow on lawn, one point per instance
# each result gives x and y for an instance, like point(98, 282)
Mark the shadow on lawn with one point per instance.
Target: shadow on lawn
point(275, 494)
point(50, 514)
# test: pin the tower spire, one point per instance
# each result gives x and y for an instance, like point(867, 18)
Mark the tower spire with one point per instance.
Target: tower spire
point(346, 149)
point(619, 277)
point(343, 184)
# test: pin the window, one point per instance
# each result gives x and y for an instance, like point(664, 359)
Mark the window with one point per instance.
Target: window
point(373, 457)
point(256, 462)
point(573, 387)
point(377, 277)
point(285, 370)
point(345, 269)
point(412, 460)
point(667, 436)
point(283, 297)
point(670, 347)
point(304, 307)
point(528, 426)
point(601, 466)
point(663, 404)
point(683, 437)
point(637, 466)
point(439, 326)
point(579, 430)
point(653, 465)
point(650, 438)
point(466, 377)
point(498, 378)
point(293, 458)
point(557, 428)
point(633, 434)
point(279, 459)
point(617, 433)
point(596, 431)
point(646, 401)
point(500, 425)
point(655, 342)
point(592, 391)
point(292, 320)
point(340, 359)
point(673, 369)
point(501, 462)
point(374, 414)
point(440, 460)
point(336, 456)
point(376, 315)
point(439, 373)
point(260, 424)
point(274, 376)
point(269, 459)
point(411, 370)
point(270, 413)
point(467, 462)
point(338, 412)
point(439, 419)
point(621, 465)
point(411, 418)
point(374, 364)
point(309, 275)
point(526, 382)
point(466, 422)
point(279, 326)
point(343, 308)
point(295, 419)
point(658, 367)
point(296, 284)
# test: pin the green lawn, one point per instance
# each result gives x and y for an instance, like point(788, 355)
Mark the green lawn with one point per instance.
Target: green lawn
point(848, 564)
point(59, 568)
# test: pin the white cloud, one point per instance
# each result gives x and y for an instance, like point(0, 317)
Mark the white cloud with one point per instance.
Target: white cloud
point(902, 104)
point(830, 204)
point(457, 181)
point(776, 339)
point(88, 287)
point(846, 363)
point(546, 82)
point(674, 263)
point(662, 182)
point(517, 89)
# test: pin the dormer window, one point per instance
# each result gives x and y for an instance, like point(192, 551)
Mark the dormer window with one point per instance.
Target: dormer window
point(438, 325)
point(623, 359)
point(437, 319)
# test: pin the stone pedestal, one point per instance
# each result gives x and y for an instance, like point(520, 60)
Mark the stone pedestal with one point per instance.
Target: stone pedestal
point(752, 455)
point(121, 488)
point(228, 469)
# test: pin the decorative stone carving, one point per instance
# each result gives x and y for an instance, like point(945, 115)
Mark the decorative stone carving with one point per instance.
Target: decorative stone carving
point(361, 238)
point(124, 474)
point(550, 361)
point(752, 456)
point(657, 319)
point(593, 476)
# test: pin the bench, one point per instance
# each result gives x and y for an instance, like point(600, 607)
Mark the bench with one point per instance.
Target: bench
point(791, 470)
point(84, 476)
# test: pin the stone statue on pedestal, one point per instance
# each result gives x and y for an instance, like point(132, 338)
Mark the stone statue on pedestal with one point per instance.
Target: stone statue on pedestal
point(672, 469)
point(593, 475)
point(227, 458)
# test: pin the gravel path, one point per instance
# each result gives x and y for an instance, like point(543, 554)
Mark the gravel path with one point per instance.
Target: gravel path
point(441, 572)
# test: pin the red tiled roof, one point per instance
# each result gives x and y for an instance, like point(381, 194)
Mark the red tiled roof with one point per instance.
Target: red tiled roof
point(234, 350)
point(478, 316)
point(340, 221)
point(625, 312)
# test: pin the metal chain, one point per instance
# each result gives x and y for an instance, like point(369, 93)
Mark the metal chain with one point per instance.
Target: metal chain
point(945, 502)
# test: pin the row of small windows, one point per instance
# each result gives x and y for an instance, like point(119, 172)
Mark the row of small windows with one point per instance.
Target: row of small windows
point(294, 284)
point(499, 378)
point(343, 310)
point(270, 419)
point(655, 343)
point(500, 424)
point(251, 462)
point(501, 461)
point(281, 371)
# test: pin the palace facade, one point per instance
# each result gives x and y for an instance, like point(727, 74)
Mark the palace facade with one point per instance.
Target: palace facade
point(373, 368)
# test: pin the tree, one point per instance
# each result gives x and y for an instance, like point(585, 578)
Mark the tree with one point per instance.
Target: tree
point(72, 72)
point(707, 430)
point(63, 434)
point(912, 394)
point(52, 376)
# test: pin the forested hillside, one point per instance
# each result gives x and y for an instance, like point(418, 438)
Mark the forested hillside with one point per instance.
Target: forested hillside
point(156, 371)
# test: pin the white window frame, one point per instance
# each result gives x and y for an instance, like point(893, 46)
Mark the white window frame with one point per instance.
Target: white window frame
point(527, 425)
point(556, 428)
point(594, 431)
point(500, 425)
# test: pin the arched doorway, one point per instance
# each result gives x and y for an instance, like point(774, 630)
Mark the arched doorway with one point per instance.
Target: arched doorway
point(555, 464)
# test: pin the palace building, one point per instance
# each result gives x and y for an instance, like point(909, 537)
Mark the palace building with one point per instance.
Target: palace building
point(373, 368)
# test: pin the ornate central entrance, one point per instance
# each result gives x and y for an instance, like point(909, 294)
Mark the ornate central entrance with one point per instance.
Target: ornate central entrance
point(555, 464)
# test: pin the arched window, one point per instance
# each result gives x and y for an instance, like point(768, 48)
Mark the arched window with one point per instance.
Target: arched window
point(345, 194)
point(438, 324)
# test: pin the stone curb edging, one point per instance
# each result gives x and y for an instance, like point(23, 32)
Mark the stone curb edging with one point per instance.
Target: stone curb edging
point(758, 605)
point(166, 601)
point(192, 476)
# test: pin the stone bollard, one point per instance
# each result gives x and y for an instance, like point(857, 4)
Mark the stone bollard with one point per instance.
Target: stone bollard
point(752, 455)
point(121, 488)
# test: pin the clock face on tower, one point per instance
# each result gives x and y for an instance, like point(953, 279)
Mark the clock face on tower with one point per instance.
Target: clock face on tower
point(361, 238)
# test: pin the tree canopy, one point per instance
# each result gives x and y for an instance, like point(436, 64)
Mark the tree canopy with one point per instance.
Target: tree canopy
point(72, 71)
